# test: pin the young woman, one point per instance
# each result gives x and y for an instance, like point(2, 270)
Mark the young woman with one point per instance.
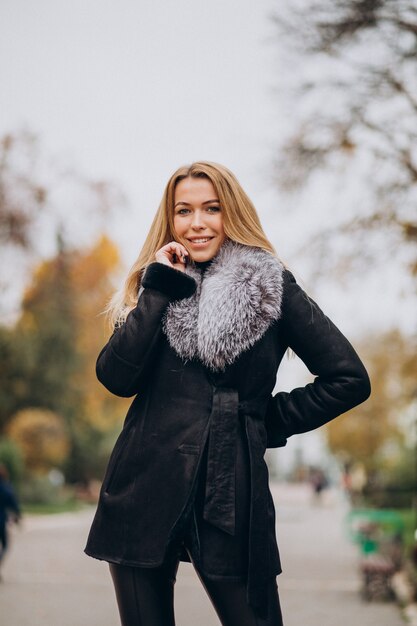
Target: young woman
point(206, 315)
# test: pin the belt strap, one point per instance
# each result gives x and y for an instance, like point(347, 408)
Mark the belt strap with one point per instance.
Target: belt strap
point(219, 505)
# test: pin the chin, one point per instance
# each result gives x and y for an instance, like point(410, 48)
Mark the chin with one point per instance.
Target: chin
point(201, 257)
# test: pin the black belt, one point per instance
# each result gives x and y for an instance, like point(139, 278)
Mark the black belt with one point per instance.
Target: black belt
point(219, 504)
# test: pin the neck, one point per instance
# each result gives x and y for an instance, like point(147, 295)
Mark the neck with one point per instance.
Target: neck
point(203, 265)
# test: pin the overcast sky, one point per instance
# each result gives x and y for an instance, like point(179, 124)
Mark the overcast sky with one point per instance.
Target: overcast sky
point(129, 90)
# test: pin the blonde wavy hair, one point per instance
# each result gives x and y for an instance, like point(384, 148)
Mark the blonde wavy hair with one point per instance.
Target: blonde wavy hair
point(240, 220)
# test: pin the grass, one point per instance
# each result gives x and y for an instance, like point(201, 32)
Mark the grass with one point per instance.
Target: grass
point(52, 508)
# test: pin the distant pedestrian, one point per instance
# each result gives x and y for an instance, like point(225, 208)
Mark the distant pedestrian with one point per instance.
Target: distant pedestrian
point(206, 316)
point(318, 483)
point(9, 509)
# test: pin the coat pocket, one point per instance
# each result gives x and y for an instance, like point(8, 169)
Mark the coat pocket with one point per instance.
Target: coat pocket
point(188, 448)
point(116, 459)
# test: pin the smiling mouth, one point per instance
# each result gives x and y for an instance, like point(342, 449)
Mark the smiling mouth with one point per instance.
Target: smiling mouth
point(200, 240)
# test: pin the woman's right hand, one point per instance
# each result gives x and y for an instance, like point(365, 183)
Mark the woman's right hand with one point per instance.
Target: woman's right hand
point(173, 254)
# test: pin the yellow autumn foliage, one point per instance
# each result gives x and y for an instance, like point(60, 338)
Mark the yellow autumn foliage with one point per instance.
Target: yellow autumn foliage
point(42, 438)
point(85, 277)
point(373, 433)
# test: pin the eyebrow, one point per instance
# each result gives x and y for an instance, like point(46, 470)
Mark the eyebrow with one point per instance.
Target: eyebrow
point(188, 204)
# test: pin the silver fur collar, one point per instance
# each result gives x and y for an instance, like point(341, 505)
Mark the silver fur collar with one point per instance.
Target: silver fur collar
point(236, 300)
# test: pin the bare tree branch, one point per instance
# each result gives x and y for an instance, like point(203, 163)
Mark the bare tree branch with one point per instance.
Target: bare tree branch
point(362, 100)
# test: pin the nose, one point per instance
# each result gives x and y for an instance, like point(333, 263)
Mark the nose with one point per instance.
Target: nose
point(197, 222)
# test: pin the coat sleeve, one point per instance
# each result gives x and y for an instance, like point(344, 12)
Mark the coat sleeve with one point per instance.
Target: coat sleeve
point(341, 379)
point(124, 360)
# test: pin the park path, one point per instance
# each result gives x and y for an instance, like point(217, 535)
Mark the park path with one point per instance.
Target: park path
point(48, 581)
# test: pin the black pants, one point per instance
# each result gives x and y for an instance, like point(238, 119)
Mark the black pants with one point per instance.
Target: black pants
point(145, 597)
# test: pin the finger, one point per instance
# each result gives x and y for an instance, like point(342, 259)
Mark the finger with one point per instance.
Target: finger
point(169, 250)
point(177, 247)
point(184, 250)
point(181, 252)
point(170, 247)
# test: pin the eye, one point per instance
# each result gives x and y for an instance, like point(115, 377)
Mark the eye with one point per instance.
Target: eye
point(183, 211)
point(213, 208)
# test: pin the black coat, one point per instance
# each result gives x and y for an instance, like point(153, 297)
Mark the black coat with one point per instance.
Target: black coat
point(187, 390)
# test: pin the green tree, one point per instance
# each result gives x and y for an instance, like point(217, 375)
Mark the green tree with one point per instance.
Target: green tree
point(11, 456)
point(63, 331)
point(48, 327)
point(14, 382)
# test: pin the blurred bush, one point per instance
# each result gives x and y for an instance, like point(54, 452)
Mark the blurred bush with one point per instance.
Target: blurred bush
point(51, 404)
point(42, 437)
point(376, 434)
point(11, 456)
point(53, 412)
point(41, 490)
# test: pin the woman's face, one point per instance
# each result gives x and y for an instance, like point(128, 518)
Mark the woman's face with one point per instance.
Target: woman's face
point(198, 219)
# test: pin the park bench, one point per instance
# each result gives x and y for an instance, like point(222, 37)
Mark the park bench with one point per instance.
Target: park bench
point(379, 534)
